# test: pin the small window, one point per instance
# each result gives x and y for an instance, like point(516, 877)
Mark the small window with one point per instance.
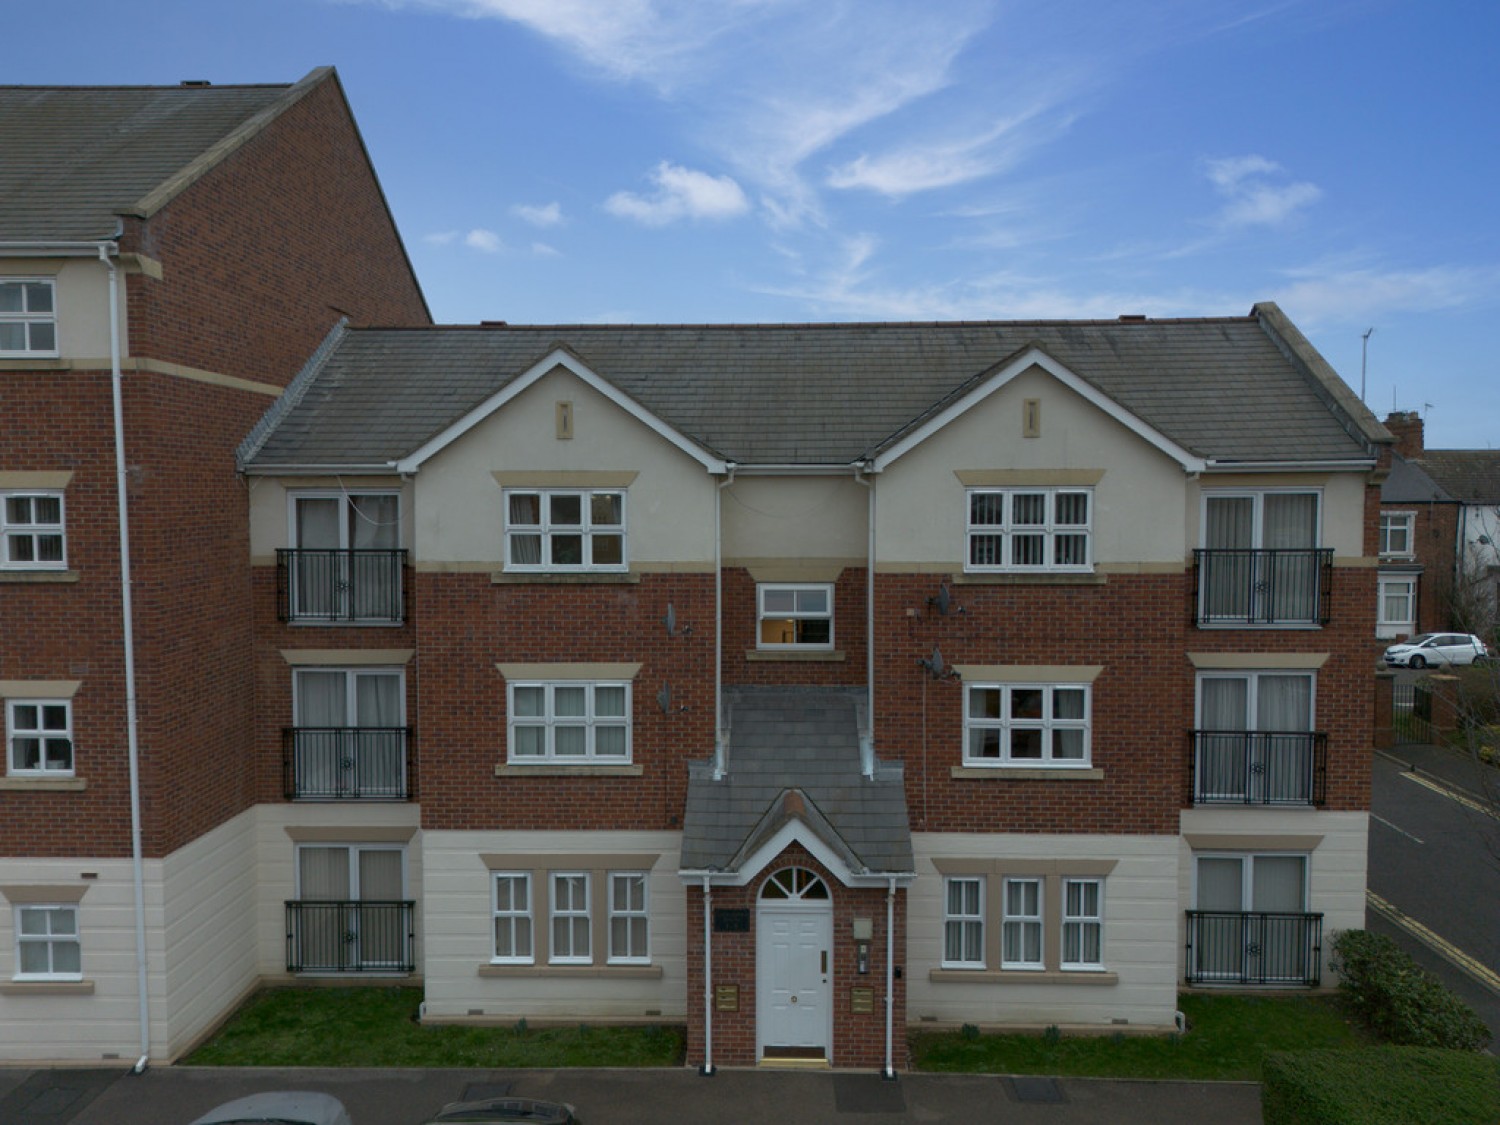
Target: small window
point(571, 927)
point(28, 318)
point(628, 920)
point(1021, 925)
point(570, 722)
point(1083, 924)
point(557, 530)
point(1026, 725)
point(1029, 530)
point(963, 923)
point(1396, 534)
point(793, 617)
point(31, 531)
point(513, 918)
point(1397, 613)
point(47, 943)
point(39, 737)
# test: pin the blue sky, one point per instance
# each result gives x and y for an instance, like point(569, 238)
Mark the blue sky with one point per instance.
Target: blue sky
point(793, 160)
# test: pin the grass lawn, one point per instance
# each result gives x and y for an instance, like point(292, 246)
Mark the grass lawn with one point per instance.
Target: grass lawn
point(1226, 1039)
point(377, 1027)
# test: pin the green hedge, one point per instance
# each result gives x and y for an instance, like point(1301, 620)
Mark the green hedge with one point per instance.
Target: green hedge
point(1380, 1086)
point(1399, 1000)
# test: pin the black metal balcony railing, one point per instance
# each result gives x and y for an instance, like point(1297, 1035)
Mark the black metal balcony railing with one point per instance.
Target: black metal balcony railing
point(347, 763)
point(333, 585)
point(1263, 587)
point(1253, 948)
point(1258, 767)
point(350, 937)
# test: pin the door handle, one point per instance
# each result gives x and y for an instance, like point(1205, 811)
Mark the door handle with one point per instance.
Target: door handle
point(823, 962)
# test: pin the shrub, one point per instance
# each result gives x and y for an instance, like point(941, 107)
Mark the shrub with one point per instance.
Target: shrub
point(1380, 1086)
point(1398, 999)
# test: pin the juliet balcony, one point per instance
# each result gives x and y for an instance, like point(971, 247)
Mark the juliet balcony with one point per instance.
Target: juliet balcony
point(1280, 586)
point(351, 936)
point(1270, 768)
point(1245, 947)
point(332, 586)
point(347, 763)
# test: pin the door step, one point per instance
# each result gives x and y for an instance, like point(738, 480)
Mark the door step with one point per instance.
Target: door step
point(795, 1058)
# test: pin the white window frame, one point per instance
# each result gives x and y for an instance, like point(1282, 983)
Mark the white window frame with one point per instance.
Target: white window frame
point(1247, 875)
point(1081, 922)
point(1018, 925)
point(516, 918)
point(347, 514)
point(14, 731)
point(967, 922)
point(28, 318)
point(629, 913)
point(1000, 556)
point(32, 530)
point(547, 531)
point(794, 616)
point(48, 939)
point(351, 674)
point(1048, 724)
point(548, 721)
point(580, 884)
point(1390, 522)
point(1385, 626)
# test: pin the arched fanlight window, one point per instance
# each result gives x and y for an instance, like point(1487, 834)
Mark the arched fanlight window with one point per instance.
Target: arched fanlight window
point(795, 883)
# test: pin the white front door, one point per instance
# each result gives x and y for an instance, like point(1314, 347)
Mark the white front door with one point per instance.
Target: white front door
point(794, 963)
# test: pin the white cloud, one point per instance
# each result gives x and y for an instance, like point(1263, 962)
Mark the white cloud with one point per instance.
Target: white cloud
point(542, 250)
point(485, 241)
point(441, 238)
point(681, 193)
point(1321, 294)
point(1252, 198)
point(545, 215)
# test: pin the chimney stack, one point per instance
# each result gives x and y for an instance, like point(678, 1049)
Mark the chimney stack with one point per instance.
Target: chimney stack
point(1407, 426)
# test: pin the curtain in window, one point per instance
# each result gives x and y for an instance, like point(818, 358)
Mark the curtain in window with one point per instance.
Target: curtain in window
point(382, 927)
point(1291, 524)
point(321, 715)
point(319, 933)
point(1280, 950)
point(379, 747)
point(1284, 704)
point(1222, 755)
point(1229, 579)
point(317, 579)
point(1219, 945)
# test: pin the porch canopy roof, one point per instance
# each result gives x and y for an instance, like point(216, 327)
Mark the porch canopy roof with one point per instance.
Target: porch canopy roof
point(793, 773)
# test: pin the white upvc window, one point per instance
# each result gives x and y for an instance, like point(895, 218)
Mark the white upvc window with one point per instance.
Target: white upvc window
point(553, 529)
point(794, 616)
point(963, 922)
point(48, 945)
point(571, 925)
point(28, 317)
point(569, 722)
point(1396, 539)
point(1397, 607)
point(1021, 924)
point(1029, 529)
point(629, 919)
point(31, 531)
point(1026, 725)
point(513, 918)
point(1083, 924)
point(39, 737)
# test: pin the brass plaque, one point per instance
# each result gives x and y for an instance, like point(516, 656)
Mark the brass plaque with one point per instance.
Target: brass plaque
point(861, 1001)
point(727, 997)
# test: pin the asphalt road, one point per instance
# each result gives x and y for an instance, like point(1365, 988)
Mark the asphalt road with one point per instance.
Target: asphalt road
point(1435, 857)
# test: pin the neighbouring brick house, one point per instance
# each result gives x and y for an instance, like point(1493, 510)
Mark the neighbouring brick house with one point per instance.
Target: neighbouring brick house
point(1439, 537)
point(185, 249)
point(801, 683)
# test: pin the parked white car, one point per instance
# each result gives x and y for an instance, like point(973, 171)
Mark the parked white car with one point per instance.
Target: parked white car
point(1436, 650)
point(283, 1107)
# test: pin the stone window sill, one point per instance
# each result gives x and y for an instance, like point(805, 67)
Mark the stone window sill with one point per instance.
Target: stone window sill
point(577, 972)
point(506, 769)
point(1025, 773)
point(1021, 976)
point(1041, 578)
point(819, 656)
point(47, 988)
point(44, 784)
point(565, 578)
point(38, 577)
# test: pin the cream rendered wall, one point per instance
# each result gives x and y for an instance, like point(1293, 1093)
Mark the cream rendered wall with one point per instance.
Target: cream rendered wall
point(457, 932)
point(1137, 518)
point(1336, 867)
point(270, 510)
point(1342, 510)
point(795, 519)
point(82, 304)
point(104, 1024)
point(1141, 928)
point(460, 514)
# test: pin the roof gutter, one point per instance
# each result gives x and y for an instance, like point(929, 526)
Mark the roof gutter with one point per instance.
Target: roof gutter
point(62, 249)
point(378, 469)
point(1361, 464)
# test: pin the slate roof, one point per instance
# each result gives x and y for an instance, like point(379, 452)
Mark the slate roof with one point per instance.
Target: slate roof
point(1230, 388)
point(794, 754)
point(1469, 476)
point(1409, 483)
point(73, 158)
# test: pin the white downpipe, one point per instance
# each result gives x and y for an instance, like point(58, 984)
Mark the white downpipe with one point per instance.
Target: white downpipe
point(868, 748)
point(127, 614)
point(719, 622)
point(708, 982)
point(890, 976)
